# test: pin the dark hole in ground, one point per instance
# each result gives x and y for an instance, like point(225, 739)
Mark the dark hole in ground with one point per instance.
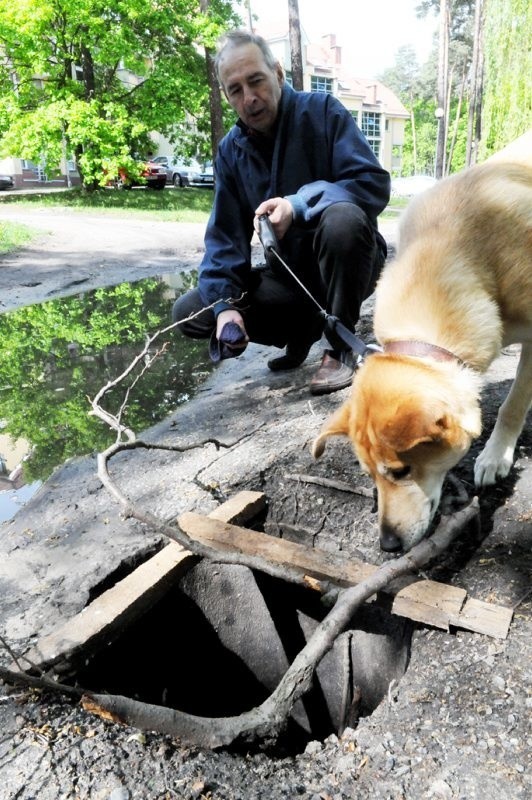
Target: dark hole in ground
point(218, 644)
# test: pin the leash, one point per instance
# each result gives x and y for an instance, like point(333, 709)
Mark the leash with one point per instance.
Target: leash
point(269, 242)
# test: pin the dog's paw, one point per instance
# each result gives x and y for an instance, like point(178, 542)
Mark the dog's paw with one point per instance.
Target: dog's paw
point(492, 464)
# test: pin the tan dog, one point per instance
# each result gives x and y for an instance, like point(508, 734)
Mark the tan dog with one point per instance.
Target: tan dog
point(459, 290)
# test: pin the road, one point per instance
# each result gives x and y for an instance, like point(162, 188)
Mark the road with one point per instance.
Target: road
point(74, 251)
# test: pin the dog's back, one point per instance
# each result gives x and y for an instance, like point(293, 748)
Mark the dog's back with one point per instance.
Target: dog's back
point(467, 240)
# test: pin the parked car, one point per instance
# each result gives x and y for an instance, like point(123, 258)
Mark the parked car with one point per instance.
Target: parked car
point(205, 177)
point(153, 175)
point(177, 172)
point(6, 182)
point(409, 186)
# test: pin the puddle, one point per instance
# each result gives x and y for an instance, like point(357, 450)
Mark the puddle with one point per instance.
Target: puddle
point(57, 354)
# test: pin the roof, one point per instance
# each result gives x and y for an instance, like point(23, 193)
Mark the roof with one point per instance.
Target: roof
point(325, 57)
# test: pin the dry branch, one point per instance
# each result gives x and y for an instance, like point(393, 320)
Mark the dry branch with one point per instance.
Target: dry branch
point(265, 722)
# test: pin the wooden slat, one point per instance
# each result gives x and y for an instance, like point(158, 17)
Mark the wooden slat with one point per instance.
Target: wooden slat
point(482, 617)
point(318, 563)
point(137, 592)
point(429, 602)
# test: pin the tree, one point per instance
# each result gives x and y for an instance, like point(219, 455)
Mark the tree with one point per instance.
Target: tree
point(404, 79)
point(95, 77)
point(296, 57)
point(507, 100)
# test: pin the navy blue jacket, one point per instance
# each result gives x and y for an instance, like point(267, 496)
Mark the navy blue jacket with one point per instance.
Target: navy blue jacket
point(320, 157)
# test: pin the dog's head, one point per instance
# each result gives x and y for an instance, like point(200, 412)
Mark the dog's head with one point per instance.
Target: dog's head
point(409, 423)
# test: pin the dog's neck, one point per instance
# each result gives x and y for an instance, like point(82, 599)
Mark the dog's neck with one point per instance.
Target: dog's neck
point(420, 349)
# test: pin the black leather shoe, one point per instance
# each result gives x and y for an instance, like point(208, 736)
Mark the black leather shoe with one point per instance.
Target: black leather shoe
point(295, 354)
point(335, 372)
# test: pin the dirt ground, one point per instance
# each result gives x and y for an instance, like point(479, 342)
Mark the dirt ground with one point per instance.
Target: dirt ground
point(456, 725)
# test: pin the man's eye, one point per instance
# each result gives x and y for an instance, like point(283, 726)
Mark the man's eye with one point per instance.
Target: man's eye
point(401, 472)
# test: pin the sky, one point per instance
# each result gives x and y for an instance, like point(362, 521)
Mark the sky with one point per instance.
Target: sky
point(369, 31)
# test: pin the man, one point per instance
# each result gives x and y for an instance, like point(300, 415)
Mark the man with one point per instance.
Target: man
point(299, 158)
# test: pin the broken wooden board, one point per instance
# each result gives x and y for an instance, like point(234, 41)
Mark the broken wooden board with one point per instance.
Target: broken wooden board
point(426, 601)
point(134, 594)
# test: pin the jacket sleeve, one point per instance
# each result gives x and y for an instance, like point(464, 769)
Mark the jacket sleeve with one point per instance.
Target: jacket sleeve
point(226, 264)
point(356, 175)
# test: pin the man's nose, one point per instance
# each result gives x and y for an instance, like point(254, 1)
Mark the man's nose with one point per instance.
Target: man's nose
point(249, 96)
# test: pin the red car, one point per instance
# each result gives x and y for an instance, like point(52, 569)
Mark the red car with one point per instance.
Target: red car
point(154, 176)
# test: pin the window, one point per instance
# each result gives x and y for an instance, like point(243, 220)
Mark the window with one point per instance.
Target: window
point(320, 84)
point(371, 128)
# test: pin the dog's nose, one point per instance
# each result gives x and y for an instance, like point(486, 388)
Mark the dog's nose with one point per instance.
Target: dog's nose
point(389, 542)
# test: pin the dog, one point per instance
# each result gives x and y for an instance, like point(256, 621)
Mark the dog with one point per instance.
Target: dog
point(458, 291)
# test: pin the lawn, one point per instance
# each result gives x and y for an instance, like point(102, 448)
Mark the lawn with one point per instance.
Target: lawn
point(174, 205)
point(13, 235)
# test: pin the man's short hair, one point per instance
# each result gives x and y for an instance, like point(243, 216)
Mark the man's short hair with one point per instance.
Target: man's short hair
point(241, 37)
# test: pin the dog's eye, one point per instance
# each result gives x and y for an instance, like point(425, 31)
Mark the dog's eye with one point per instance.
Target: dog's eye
point(401, 472)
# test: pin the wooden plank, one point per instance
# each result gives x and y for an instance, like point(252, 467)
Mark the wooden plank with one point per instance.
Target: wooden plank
point(317, 563)
point(429, 602)
point(137, 592)
point(482, 617)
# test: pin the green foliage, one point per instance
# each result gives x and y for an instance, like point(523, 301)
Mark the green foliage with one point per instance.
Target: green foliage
point(507, 105)
point(94, 78)
point(56, 354)
point(13, 235)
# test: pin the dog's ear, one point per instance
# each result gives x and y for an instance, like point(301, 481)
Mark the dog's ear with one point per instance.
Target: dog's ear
point(429, 424)
point(336, 425)
point(471, 422)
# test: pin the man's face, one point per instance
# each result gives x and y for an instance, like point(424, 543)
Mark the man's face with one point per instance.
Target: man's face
point(251, 87)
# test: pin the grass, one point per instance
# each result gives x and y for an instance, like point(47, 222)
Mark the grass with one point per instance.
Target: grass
point(170, 205)
point(13, 235)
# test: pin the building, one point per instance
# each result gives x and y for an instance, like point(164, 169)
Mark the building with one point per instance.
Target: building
point(375, 108)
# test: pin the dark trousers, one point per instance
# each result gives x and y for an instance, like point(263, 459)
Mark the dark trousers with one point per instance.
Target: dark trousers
point(346, 263)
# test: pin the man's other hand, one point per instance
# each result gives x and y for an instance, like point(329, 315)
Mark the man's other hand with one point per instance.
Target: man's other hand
point(230, 315)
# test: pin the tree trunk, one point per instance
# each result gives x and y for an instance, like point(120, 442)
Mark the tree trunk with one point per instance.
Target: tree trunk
point(442, 110)
point(414, 133)
point(215, 96)
point(456, 121)
point(475, 98)
point(295, 45)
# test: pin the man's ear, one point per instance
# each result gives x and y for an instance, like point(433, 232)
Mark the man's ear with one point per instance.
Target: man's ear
point(337, 425)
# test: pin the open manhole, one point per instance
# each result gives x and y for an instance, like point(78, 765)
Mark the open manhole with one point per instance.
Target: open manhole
point(220, 640)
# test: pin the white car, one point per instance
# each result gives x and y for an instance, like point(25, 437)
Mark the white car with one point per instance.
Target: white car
point(178, 173)
point(414, 184)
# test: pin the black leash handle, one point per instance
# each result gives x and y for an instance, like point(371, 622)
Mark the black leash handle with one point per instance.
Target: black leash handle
point(266, 235)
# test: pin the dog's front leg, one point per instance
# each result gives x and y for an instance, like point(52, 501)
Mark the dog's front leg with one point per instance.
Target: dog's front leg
point(496, 460)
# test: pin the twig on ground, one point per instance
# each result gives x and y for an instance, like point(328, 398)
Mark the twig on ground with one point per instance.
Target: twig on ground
point(331, 484)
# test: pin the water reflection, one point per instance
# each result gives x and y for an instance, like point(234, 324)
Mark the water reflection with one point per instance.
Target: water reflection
point(56, 354)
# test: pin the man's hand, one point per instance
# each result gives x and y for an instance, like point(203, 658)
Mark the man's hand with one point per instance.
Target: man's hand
point(280, 212)
point(230, 315)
